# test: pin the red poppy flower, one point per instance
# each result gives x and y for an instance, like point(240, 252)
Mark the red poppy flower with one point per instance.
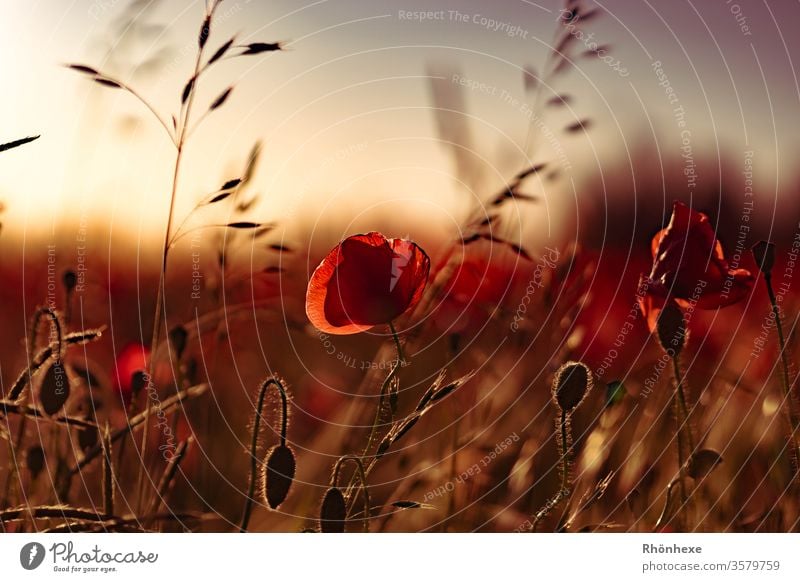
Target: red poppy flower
point(475, 292)
point(689, 267)
point(366, 280)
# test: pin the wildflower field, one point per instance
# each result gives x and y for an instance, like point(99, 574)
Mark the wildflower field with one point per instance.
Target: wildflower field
point(556, 342)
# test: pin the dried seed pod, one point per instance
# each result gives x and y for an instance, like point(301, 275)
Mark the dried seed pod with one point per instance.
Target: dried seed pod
point(34, 458)
point(278, 475)
point(333, 513)
point(702, 463)
point(671, 329)
point(572, 382)
point(764, 254)
point(177, 337)
point(54, 390)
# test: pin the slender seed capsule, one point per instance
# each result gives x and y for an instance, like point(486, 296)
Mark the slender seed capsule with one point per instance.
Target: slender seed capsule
point(333, 513)
point(278, 475)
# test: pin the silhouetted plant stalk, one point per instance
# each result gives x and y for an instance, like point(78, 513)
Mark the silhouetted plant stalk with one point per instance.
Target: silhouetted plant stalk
point(671, 331)
point(387, 402)
point(179, 134)
point(55, 351)
point(389, 390)
point(108, 474)
point(279, 466)
point(167, 405)
point(764, 254)
point(399, 427)
point(168, 476)
point(571, 384)
point(88, 519)
point(160, 309)
point(333, 511)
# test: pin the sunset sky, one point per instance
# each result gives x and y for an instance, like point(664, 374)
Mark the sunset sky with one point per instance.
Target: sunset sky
point(345, 112)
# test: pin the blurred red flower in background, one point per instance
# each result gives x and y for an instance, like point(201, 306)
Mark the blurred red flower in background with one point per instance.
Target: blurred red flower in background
point(132, 358)
point(366, 280)
point(475, 291)
point(689, 267)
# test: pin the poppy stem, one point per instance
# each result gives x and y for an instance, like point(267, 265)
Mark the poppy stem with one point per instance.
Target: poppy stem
point(251, 490)
point(564, 439)
point(400, 356)
point(676, 368)
point(681, 461)
point(788, 399)
point(667, 502)
point(362, 476)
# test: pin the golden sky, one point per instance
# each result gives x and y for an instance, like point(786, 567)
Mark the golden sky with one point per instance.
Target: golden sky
point(345, 113)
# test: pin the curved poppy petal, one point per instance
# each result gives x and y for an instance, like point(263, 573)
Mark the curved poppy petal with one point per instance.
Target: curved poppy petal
point(689, 266)
point(365, 281)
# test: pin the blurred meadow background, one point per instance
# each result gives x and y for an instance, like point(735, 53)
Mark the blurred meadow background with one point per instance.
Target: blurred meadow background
point(532, 149)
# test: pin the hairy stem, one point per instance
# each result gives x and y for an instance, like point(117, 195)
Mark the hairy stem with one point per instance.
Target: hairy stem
point(681, 460)
point(251, 489)
point(565, 466)
point(362, 475)
point(788, 399)
point(685, 424)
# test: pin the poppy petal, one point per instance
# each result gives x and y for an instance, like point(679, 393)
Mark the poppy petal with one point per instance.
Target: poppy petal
point(366, 280)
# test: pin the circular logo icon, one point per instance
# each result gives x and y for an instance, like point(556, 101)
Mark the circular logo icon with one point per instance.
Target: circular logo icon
point(31, 555)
